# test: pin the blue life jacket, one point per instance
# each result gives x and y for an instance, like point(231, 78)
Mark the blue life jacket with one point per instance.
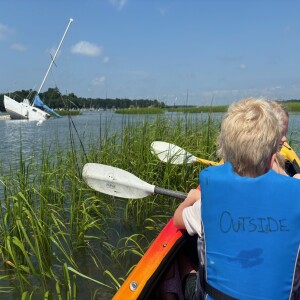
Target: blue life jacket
point(252, 232)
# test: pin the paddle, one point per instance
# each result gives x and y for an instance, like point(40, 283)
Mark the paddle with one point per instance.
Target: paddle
point(173, 154)
point(291, 155)
point(117, 182)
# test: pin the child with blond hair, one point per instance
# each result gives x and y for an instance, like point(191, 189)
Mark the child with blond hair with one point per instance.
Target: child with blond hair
point(251, 232)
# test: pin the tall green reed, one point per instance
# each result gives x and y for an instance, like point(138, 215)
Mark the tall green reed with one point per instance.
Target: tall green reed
point(44, 218)
point(131, 152)
point(53, 226)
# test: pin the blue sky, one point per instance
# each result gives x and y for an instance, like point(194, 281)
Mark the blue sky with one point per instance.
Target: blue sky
point(178, 51)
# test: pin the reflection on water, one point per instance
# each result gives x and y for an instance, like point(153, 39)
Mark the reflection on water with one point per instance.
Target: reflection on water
point(32, 136)
point(294, 130)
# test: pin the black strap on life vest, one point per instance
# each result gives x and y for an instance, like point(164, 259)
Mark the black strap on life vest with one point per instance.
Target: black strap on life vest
point(215, 293)
point(209, 289)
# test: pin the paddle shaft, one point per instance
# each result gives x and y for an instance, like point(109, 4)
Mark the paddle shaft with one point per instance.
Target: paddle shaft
point(207, 162)
point(166, 192)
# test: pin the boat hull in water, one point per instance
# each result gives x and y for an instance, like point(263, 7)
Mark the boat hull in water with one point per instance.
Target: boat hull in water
point(23, 110)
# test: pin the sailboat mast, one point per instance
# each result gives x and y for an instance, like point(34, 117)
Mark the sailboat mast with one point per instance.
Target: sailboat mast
point(53, 59)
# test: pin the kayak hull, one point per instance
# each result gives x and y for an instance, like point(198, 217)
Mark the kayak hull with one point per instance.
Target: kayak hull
point(143, 281)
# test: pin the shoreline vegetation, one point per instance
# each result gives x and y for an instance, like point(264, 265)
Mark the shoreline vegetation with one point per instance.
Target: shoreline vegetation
point(70, 102)
point(64, 112)
point(54, 99)
point(192, 109)
point(291, 106)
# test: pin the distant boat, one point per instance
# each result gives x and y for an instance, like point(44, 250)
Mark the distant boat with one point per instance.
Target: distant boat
point(37, 110)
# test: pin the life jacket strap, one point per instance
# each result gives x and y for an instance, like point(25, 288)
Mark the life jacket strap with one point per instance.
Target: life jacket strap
point(209, 289)
point(215, 293)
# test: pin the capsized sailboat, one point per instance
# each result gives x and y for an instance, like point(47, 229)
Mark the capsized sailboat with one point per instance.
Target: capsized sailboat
point(23, 110)
point(37, 110)
point(37, 102)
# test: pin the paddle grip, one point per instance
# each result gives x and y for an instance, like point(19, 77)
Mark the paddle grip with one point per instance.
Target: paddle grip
point(175, 194)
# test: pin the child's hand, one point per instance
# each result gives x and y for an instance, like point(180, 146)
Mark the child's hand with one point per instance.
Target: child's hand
point(194, 195)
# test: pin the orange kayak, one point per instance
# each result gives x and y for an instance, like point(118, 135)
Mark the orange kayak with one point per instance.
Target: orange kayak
point(142, 283)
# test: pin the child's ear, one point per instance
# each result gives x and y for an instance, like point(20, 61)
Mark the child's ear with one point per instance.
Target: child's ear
point(273, 157)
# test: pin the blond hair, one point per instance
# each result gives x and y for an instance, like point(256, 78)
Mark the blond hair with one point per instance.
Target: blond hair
point(250, 134)
point(281, 113)
point(283, 118)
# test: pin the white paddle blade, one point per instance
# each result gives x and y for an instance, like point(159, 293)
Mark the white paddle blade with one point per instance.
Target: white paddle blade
point(171, 153)
point(115, 182)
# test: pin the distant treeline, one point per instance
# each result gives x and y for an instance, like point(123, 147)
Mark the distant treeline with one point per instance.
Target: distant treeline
point(54, 99)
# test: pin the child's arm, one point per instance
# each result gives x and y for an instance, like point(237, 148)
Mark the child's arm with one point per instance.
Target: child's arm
point(192, 197)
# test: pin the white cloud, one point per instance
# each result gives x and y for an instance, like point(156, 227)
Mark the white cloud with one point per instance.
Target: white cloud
point(5, 31)
point(98, 81)
point(162, 11)
point(119, 4)
point(18, 47)
point(52, 52)
point(243, 66)
point(86, 48)
point(106, 60)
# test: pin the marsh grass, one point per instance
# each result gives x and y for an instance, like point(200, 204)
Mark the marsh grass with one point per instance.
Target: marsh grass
point(61, 240)
point(47, 215)
point(63, 112)
point(200, 109)
point(140, 111)
point(292, 106)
